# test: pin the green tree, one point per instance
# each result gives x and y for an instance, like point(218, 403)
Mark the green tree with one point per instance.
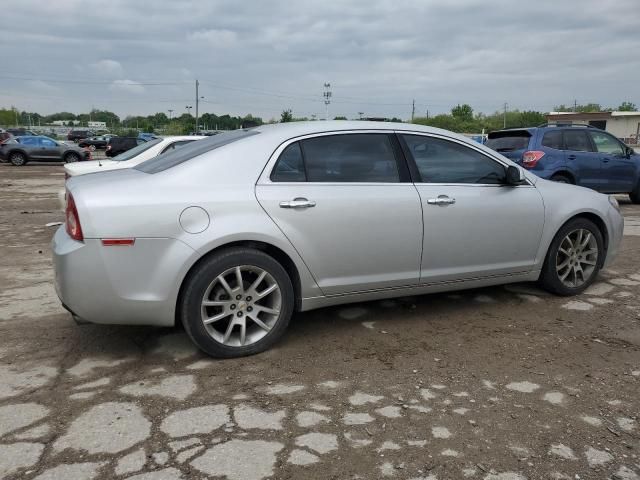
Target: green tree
point(463, 112)
point(286, 116)
point(627, 107)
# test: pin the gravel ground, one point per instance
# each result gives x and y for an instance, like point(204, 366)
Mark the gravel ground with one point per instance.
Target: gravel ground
point(504, 383)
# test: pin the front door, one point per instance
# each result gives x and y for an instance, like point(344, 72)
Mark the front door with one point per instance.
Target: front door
point(475, 225)
point(346, 204)
point(49, 150)
point(618, 170)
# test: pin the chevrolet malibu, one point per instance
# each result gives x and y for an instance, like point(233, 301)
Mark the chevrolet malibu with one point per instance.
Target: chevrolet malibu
point(232, 234)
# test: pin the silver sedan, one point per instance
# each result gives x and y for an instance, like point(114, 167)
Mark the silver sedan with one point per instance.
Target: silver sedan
point(232, 234)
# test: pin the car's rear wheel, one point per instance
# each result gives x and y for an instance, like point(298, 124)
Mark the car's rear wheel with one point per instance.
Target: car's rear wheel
point(71, 158)
point(560, 178)
point(18, 159)
point(237, 302)
point(635, 195)
point(574, 258)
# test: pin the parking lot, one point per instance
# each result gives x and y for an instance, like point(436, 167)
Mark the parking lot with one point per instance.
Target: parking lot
point(504, 383)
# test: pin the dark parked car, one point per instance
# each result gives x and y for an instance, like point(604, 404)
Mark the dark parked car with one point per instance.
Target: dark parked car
point(118, 145)
point(18, 132)
point(93, 143)
point(578, 154)
point(75, 135)
point(20, 150)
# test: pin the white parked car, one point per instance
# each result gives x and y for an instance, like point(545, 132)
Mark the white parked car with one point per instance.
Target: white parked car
point(131, 157)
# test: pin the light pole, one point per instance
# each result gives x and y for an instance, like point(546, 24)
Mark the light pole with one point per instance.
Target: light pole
point(188, 107)
point(327, 99)
point(170, 112)
point(360, 114)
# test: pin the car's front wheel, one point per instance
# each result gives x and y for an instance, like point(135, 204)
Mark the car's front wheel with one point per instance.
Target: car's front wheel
point(18, 159)
point(237, 302)
point(574, 258)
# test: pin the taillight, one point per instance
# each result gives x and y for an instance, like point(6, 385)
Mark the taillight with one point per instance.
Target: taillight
point(73, 220)
point(108, 148)
point(531, 158)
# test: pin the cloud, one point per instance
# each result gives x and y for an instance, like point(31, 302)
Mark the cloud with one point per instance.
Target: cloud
point(127, 86)
point(108, 67)
point(214, 38)
point(42, 87)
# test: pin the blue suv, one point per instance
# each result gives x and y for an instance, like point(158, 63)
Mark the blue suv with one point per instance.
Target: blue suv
point(578, 154)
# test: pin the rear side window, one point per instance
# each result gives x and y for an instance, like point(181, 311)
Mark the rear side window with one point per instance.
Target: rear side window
point(552, 139)
point(443, 161)
point(366, 157)
point(606, 143)
point(508, 141)
point(577, 141)
point(47, 142)
point(194, 149)
point(290, 166)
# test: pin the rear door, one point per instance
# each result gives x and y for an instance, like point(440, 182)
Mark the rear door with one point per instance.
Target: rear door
point(346, 203)
point(31, 145)
point(582, 158)
point(510, 143)
point(618, 170)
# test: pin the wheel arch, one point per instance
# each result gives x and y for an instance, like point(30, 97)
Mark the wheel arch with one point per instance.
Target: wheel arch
point(566, 173)
point(18, 150)
point(278, 254)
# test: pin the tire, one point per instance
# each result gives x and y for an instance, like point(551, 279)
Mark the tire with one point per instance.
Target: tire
point(18, 159)
point(560, 178)
point(71, 158)
point(573, 258)
point(635, 195)
point(222, 338)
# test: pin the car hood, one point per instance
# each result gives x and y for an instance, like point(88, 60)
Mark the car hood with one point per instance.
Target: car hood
point(93, 166)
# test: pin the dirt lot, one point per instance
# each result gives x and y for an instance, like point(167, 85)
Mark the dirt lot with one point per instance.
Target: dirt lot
point(500, 383)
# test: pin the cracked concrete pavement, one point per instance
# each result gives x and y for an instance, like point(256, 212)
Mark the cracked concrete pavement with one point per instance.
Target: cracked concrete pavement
point(504, 383)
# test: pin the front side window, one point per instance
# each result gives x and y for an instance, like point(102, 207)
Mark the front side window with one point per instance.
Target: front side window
point(290, 165)
point(577, 141)
point(357, 157)
point(443, 161)
point(606, 143)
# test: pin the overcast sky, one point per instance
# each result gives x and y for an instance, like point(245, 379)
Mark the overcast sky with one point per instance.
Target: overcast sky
point(260, 57)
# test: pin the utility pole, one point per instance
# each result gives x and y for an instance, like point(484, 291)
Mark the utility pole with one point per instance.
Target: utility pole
point(327, 99)
point(504, 117)
point(575, 106)
point(360, 115)
point(197, 101)
point(413, 110)
point(427, 114)
point(170, 112)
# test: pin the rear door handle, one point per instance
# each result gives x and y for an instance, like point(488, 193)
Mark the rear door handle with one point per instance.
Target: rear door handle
point(571, 157)
point(442, 200)
point(298, 203)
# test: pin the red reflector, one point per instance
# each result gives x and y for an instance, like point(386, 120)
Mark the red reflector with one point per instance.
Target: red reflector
point(531, 158)
point(114, 242)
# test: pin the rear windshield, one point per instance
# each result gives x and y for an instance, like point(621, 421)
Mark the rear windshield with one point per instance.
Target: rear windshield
point(508, 141)
point(175, 157)
point(129, 154)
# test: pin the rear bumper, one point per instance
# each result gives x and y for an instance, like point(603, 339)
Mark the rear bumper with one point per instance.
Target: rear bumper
point(136, 285)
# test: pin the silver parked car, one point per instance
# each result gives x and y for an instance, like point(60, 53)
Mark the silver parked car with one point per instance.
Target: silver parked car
point(232, 234)
point(23, 149)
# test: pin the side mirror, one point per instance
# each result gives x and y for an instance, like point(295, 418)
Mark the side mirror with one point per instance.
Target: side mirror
point(515, 175)
point(630, 151)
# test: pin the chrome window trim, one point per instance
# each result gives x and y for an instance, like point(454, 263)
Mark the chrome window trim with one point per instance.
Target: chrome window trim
point(265, 175)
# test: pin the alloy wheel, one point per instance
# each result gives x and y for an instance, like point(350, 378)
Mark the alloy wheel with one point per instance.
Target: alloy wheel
point(577, 258)
point(241, 306)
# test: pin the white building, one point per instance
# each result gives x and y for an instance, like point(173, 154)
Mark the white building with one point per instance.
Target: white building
point(624, 125)
point(97, 125)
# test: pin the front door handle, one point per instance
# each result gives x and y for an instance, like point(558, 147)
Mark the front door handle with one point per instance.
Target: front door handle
point(442, 201)
point(298, 203)
point(571, 157)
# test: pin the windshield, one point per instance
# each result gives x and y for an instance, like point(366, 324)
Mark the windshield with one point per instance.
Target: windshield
point(175, 157)
point(129, 154)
